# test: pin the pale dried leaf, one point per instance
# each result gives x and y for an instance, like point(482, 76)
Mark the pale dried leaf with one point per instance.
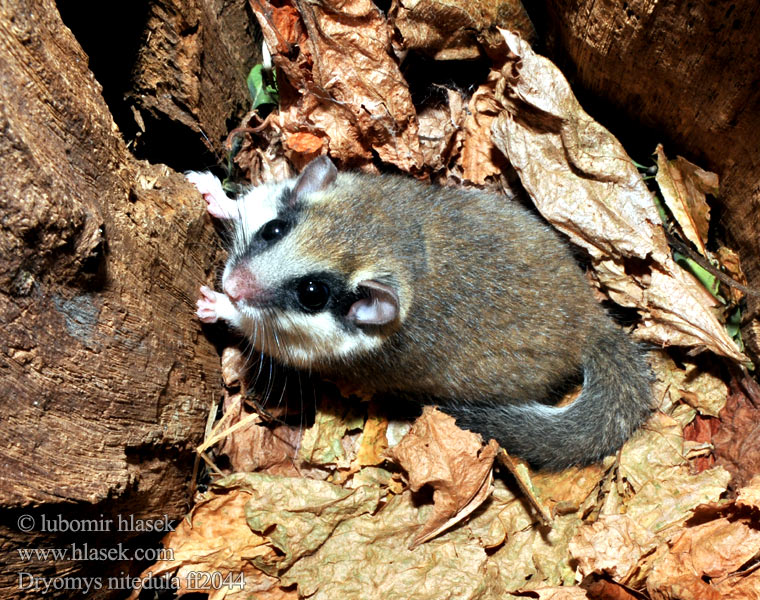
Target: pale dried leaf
point(453, 462)
point(683, 188)
point(297, 515)
point(534, 557)
point(325, 443)
point(666, 492)
point(368, 557)
point(233, 366)
point(583, 182)
point(214, 538)
point(749, 496)
point(701, 389)
point(480, 159)
point(568, 489)
point(438, 128)
point(614, 545)
point(373, 443)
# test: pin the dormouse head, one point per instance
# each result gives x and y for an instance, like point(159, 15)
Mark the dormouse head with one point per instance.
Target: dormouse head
point(305, 290)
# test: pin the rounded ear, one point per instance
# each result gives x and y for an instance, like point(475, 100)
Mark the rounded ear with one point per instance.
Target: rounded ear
point(317, 176)
point(379, 308)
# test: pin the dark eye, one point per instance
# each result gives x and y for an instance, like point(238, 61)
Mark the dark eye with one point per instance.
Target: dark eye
point(313, 294)
point(274, 230)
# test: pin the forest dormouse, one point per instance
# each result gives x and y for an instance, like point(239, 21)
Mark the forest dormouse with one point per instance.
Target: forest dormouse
point(442, 295)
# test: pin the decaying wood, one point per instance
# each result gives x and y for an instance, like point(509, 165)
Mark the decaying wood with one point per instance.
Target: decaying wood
point(106, 375)
point(688, 71)
point(191, 68)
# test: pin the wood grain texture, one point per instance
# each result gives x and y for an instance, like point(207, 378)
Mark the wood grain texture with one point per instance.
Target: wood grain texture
point(106, 377)
point(192, 66)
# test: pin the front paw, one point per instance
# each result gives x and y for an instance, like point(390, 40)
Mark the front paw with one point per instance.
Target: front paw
point(207, 305)
point(218, 204)
point(213, 307)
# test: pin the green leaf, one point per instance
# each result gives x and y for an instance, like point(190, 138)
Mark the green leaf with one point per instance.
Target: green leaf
point(733, 326)
point(261, 91)
point(658, 202)
point(704, 276)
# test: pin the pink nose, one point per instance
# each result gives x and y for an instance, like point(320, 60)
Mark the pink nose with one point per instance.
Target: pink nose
point(241, 284)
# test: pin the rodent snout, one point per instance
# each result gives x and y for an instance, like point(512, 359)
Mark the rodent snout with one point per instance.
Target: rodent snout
point(241, 284)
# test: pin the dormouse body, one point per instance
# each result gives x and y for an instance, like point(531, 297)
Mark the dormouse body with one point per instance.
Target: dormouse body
point(442, 295)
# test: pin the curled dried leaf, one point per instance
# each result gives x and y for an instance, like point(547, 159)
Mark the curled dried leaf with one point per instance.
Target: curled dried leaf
point(683, 186)
point(614, 545)
point(583, 182)
point(342, 86)
point(480, 159)
point(214, 538)
point(454, 462)
point(712, 550)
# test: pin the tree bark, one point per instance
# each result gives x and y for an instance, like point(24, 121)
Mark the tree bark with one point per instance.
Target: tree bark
point(107, 379)
point(191, 72)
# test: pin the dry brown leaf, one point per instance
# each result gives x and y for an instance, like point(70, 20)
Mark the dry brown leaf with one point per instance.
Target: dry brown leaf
point(344, 85)
point(731, 264)
point(326, 442)
point(561, 593)
point(245, 439)
point(701, 431)
point(711, 550)
point(666, 491)
point(480, 159)
point(749, 496)
point(740, 586)
point(452, 29)
point(583, 182)
point(454, 462)
point(693, 383)
point(260, 158)
point(373, 444)
point(737, 441)
point(603, 589)
point(567, 490)
point(214, 538)
point(614, 545)
point(683, 186)
point(307, 144)
point(438, 128)
point(259, 447)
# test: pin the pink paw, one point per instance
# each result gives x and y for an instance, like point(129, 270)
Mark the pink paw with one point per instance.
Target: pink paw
point(207, 305)
point(218, 204)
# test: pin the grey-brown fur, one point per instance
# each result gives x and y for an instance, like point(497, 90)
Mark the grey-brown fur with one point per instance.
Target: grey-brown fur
point(495, 316)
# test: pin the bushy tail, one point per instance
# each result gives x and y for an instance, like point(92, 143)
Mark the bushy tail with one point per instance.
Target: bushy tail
point(615, 400)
